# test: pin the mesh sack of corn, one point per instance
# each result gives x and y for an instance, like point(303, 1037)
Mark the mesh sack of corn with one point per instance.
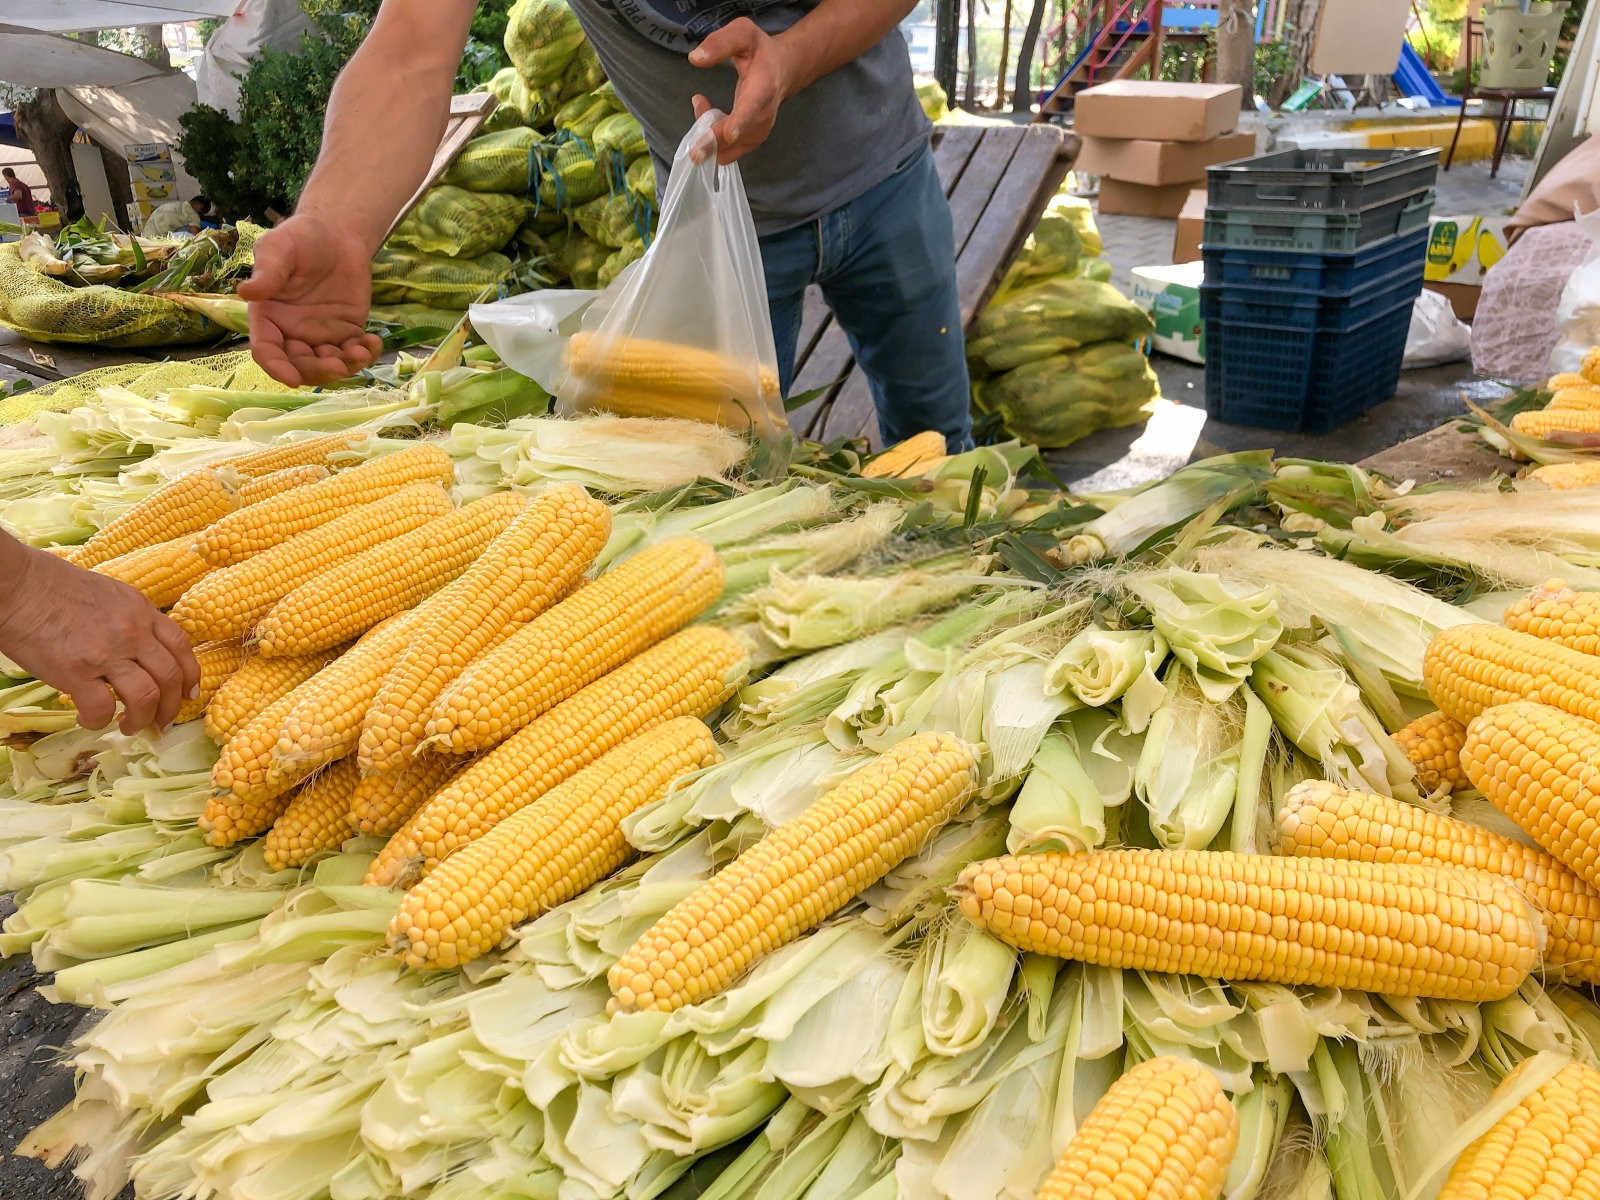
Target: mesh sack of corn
point(415, 316)
point(579, 257)
point(44, 309)
point(570, 176)
point(1055, 401)
point(405, 276)
point(619, 259)
point(453, 221)
point(581, 114)
point(612, 220)
point(507, 88)
point(498, 162)
point(934, 102)
point(1055, 247)
point(1046, 318)
point(583, 74)
point(640, 178)
point(619, 140)
point(233, 369)
point(542, 36)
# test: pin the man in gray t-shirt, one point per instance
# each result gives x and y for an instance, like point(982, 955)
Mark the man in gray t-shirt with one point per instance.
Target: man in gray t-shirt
point(821, 116)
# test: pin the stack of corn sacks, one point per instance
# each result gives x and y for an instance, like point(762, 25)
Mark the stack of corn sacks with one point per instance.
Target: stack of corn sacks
point(1052, 354)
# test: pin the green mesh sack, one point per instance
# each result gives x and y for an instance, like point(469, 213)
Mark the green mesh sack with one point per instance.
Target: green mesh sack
point(640, 178)
point(44, 309)
point(498, 162)
point(611, 220)
point(235, 369)
point(618, 259)
point(541, 38)
point(1057, 400)
point(1046, 318)
point(581, 114)
point(416, 316)
point(619, 139)
point(453, 221)
point(583, 74)
point(930, 94)
point(570, 177)
point(578, 257)
point(1094, 268)
point(404, 276)
point(507, 88)
point(545, 221)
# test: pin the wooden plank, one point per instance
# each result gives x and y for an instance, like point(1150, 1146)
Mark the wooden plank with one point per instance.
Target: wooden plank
point(953, 151)
point(52, 361)
point(467, 114)
point(1012, 210)
point(978, 182)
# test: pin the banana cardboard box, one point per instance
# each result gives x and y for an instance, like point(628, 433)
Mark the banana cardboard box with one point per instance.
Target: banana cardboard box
point(1460, 252)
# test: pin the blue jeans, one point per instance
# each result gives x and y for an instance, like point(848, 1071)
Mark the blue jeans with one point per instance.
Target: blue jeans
point(886, 264)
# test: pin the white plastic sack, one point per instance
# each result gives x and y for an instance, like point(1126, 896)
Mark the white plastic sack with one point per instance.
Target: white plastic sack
point(1436, 335)
point(694, 306)
point(1578, 312)
point(529, 332)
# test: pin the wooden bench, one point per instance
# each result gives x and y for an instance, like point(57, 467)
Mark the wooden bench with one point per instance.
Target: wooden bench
point(998, 179)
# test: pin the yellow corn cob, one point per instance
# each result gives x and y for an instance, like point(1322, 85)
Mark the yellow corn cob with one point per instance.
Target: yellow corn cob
point(656, 592)
point(668, 370)
point(644, 400)
point(905, 458)
point(794, 878)
point(1567, 475)
point(1585, 397)
point(186, 505)
point(1555, 612)
point(316, 821)
point(1546, 1148)
point(324, 721)
point(689, 674)
point(1440, 932)
point(1164, 1131)
point(1469, 668)
point(257, 684)
point(315, 451)
point(262, 487)
point(251, 530)
point(1323, 820)
point(1590, 369)
point(1542, 422)
point(218, 661)
point(549, 852)
point(1565, 379)
point(163, 572)
point(354, 595)
point(383, 803)
point(1433, 744)
point(230, 601)
point(540, 557)
point(1541, 767)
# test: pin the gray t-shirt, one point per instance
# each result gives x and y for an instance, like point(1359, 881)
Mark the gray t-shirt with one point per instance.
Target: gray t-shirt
point(831, 142)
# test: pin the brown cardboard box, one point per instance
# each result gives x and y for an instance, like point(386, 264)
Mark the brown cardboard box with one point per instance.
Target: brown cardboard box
point(1139, 160)
point(1165, 112)
point(1142, 200)
point(1191, 225)
point(1463, 297)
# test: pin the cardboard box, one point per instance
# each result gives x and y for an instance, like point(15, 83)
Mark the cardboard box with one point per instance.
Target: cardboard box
point(1191, 227)
point(1141, 200)
point(1165, 112)
point(1463, 297)
point(1171, 295)
point(1139, 160)
point(1462, 249)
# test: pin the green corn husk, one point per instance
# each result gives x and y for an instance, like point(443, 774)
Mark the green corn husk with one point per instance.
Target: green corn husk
point(1215, 629)
point(1104, 666)
point(1137, 521)
point(1080, 778)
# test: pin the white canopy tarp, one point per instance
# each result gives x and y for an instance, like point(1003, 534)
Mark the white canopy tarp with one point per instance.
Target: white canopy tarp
point(254, 26)
point(75, 16)
point(44, 60)
point(142, 112)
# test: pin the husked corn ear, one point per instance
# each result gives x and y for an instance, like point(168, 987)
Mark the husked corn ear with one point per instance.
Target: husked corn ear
point(689, 674)
point(251, 530)
point(1323, 820)
point(163, 572)
point(1590, 368)
point(655, 593)
point(262, 487)
point(1566, 475)
point(218, 661)
point(324, 720)
point(1585, 397)
point(243, 803)
point(1565, 379)
point(1469, 668)
point(1546, 1148)
point(1557, 613)
point(316, 451)
point(1541, 767)
point(539, 558)
point(187, 505)
point(1164, 1131)
point(230, 601)
point(1433, 744)
point(645, 400)
point(546, 853)
point(384, 802)
point(904, 458)
point(257, 684)
point(669, 369)
point(798, 875)
point(1543, 422)
point(352, 596)
point(316, 821)
point(1440, 932)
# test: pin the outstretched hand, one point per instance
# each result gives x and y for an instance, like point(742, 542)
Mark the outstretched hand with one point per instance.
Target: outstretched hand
point(309, 295)
point(766, 80)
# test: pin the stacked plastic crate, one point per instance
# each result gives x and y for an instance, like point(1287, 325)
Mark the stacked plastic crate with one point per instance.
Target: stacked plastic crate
point(1313, 259)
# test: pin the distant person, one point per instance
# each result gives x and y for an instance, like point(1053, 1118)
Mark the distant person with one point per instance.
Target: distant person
point(21, 194)
point(175, 216)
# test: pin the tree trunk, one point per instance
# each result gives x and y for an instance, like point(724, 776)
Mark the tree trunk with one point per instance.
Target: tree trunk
point(47, 131)
point(1005, 56)
point(971, 102)
point(1022, 91)
point(946, 35)
point(1236, 47)
point(117, 180)
point(152, 47)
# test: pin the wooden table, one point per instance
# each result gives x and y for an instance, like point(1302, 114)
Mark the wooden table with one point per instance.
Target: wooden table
point(50, 361)
point(998, 179)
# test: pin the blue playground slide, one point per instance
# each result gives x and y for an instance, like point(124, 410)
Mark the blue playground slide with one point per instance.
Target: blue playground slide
point(1412, 78)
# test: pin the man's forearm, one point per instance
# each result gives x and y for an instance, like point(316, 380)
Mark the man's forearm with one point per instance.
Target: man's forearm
point(386, 115)
point(837, 32)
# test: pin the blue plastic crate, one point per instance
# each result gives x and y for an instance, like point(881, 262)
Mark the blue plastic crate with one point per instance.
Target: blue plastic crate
point(1297, 308)
point(1316, 231)
point(1325, 273)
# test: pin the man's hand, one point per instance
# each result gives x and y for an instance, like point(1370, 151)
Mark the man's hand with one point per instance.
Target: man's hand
point(309, 296)
point(96, 640)
point(766, 80)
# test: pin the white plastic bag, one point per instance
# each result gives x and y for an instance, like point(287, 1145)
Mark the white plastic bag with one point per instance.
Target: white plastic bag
point(1578, 312)
point(529, 332)
point(1436, 335)
point(685, 330)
